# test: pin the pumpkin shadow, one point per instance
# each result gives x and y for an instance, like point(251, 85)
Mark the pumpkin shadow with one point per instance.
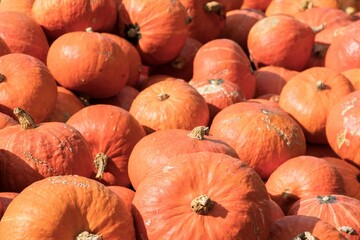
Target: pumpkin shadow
point(218, 211)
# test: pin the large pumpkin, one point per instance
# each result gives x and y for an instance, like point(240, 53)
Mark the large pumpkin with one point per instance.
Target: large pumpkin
point(172, 103)
point(154, 149)
point(263, 135)
point(202, 196)
point(309, 96)
point(73, 207)
point(158, 29)
point(95, 65)
point(31, 152)
point(112, 134)
point(27, 83)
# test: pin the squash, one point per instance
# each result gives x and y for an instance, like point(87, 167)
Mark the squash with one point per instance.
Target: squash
point(6, 120)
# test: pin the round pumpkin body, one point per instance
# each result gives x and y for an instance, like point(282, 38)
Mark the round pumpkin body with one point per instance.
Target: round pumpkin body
point(71, 207)
point(263, 135)
point(23, 35)
point(90, 60)
point(353, 74)
point(168, 104)
point(58, 18)
point(342, 128)
point(309, 96)
point(281, 40)
point(343, 53)
point(27, 83)
point(112, 134)
point(202, 200)
point(6, 120)
point(124, 193)
point(40, 151)
point(156, 148)
point(157, 29)
point(304, 176)
point(5, 200)
point(23, 6)
point(224, 59)
point(256, 4)
point(303, 227)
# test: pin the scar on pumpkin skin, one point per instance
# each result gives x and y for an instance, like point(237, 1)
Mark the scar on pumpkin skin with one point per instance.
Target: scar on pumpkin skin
point(348, 105)
point(269, 125)
point(28, 155)
point(341, 139)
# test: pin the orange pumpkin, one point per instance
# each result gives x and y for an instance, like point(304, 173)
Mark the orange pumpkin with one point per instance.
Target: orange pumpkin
point(168, 104)
point(90, 60)
point(5, 200)
point(256, 4)
point(158, 29)
point(309, 96)
point(353, 74)
point(222, 198)
point(72, 206)
point(224, 59)
point(27, 83)
point(124, 193)
point(23, 6)
point(6, 120)
point(263, 135)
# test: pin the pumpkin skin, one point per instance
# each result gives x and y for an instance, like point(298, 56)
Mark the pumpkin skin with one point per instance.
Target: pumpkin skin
point(67, 103)
point(263, 135)
point(37, 97)
point(162, 209)
point(290, 227)
point(23, 6)
point(158, 29)
point(156, 148)
point(112, 134)
point(58, 18)
point(256, 4)
point(23, 35)
point(168, 104)
point(206, 19)
point(280, 40)
point(342, 127)
point(90, 59)
point(309, 96)
point(353, 74)
point(5, 200)
point(337, 210)
point(6, 120)
point(79, 202)
point(40, 151)
point(224, 59)
point(304, 176)
point(343, 53)
point(126, 194)
point(276, 211)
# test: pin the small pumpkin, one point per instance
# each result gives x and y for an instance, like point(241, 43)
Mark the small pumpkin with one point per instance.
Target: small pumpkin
point(73, 207)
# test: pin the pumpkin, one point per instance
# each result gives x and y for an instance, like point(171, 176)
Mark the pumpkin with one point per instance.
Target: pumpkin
point(350, 6)
point(299, 227)
point(158, 29)
point(168, 104)
point(202, 195)
point(23, 35)
point(218, 94)
point(58, 18)
point(149, 80)
point(67, 103)
point(154, 149)
point(337, 210)
point(6, 120)
point(182, 65)
point(231, 4)
point(27, 83)
point(23, 6)
point(39, 151)
point(290, 7)
point(111, 133)
point(89, 59)
point(73, 207)
point(124, 193)
point(238, 24)
point(205, 19)
point(256, 4)
point(280, 40)
point(276, 211)
point(132, 55)
point(263, 135)
point(4, 48)
point(343, 52)
point(309, 96)
point(5, 200)
point(271, 79)
point(304, 176)
point(224, 59)
point(342, 127)
point(353, 74)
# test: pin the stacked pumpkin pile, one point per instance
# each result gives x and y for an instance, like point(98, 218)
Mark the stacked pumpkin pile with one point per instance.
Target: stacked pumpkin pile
point(180, 119)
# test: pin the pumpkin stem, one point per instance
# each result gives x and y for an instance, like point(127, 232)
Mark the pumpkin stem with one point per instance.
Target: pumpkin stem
point(320, 85)
point(89, 29)
point(326, 199)
point(348, 230)
point(350, 10)
point(2, 78)
point(306, 5)
point(132, 33)
point(25, 120)
point(178, 62)
point(163, 96)
point(216, 81)
point(202, 204)
point(215, 7)
point(305, 236)
point(199, 132)
point(85, 235)
point(100, 163)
